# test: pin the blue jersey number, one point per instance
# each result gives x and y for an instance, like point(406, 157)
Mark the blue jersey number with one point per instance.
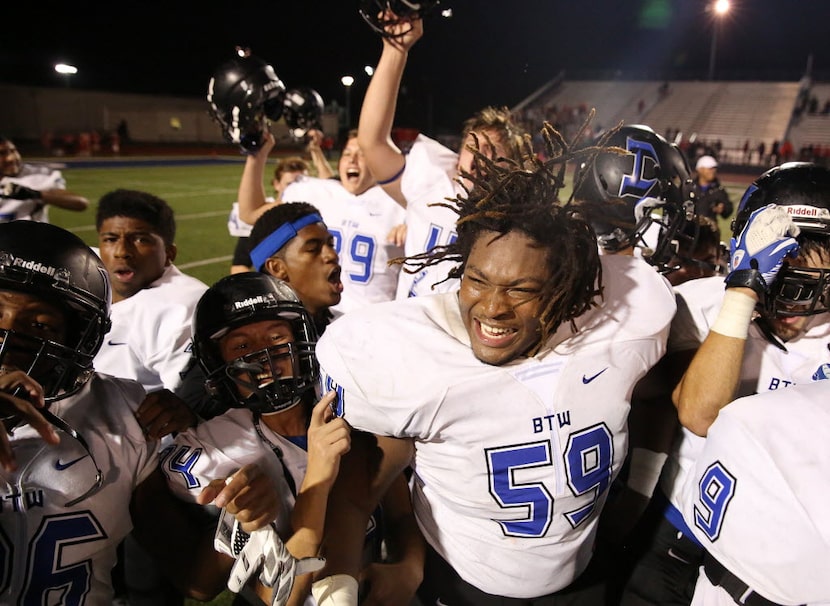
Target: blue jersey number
point(361, 255)
point(589, 458)
point(717, 487)
point(47, 577)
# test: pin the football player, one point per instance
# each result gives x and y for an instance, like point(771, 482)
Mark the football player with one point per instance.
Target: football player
point(767, 330)
point(763, 524)
point(429, 173)
point(27, 189)
point(509, 398)
point(79, 472)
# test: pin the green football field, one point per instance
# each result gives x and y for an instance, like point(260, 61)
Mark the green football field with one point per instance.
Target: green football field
point(201, 193)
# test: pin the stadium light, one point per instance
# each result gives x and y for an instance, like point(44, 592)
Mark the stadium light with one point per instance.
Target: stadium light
point(719, 9)
point(369, 70)
point(347, 82)
point(66, 70)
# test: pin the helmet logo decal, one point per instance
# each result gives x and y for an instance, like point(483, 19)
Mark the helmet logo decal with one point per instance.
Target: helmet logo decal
point(803, 210)
point(635, 184)
point(265, 299)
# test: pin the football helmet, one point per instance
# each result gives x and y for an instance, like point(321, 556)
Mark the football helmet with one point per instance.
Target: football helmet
point(374, 13)
point(243, 95)
point(803, 188)
point(647, 185)
point(302, 111)
point(52, 263)
point(240, 299)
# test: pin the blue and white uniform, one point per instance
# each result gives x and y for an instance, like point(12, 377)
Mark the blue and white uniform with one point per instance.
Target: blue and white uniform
point(513, 462)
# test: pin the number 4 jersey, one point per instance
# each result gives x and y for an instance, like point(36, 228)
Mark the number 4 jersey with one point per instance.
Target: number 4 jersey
point(512, 462)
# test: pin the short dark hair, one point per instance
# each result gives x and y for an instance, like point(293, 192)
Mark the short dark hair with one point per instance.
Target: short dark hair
point(523, 195)
point(138, 205)
point(274, 218)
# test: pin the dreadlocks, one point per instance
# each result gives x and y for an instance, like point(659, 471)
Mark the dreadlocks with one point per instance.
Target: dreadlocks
point(508, 195)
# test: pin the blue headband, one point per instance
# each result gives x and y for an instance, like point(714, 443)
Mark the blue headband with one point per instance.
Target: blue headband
point(279, 237)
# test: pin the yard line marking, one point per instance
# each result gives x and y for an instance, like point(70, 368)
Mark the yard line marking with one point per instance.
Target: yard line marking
point(185, 217)
point(223, 259)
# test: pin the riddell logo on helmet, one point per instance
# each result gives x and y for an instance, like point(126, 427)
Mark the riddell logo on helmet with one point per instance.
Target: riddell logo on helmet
point(251, 301)
point(35, 266)
point(799, 210)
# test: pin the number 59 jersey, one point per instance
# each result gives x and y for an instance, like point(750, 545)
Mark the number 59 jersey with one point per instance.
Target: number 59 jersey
point(513, 462)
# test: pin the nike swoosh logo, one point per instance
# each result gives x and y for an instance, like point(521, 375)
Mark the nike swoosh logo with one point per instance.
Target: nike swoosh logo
point(116, 342)
point(672, 554)
point(586, 380)
point(61, 466)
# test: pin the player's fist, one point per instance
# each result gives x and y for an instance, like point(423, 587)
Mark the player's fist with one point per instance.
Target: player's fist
point(759, 251)
point(18, 192)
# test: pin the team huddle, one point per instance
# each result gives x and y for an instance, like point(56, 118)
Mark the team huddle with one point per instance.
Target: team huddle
point(431, 378)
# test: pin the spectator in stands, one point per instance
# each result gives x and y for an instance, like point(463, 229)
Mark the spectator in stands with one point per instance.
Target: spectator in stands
point(711, 199)
point(26, 189)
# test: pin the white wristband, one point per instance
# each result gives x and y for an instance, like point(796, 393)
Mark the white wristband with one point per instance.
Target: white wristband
point(644, 470)
point(735, 315)
point(336, 590)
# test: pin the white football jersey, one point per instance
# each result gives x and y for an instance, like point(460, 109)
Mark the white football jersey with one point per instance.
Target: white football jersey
point(758, 495)
point(512, 462)
point(428, 178)
point(220, 446)
point(765, 367)
point(34, 176)
point(150, 338)
point(53, 554)
point(236, 226)
point(360, 226)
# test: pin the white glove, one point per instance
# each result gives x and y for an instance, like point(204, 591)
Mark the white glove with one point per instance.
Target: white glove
point(765, 241)
point(262, 551)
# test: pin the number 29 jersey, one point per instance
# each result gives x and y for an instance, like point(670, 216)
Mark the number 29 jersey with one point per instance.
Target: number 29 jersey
point(512, 462)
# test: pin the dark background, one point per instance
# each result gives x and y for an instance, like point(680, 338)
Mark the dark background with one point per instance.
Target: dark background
point(488, 52)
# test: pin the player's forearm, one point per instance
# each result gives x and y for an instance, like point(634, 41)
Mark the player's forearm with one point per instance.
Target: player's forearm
point(64, 199)
point(321, 164)
point(377, 115)
point(251, 194)
point(710, 382)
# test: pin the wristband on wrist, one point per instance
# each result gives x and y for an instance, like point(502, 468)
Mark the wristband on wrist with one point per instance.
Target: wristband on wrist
point(644, 470)
point(735, 315)
point(747, 278)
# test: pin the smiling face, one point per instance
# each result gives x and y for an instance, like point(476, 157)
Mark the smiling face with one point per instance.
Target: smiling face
point(354, 174)
point(500, 295)
point(10, 160)
point(249, 342)
point(134, 254)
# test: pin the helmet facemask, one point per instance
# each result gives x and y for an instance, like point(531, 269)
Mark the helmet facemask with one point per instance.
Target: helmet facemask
point(383, 14)
point(274, 379)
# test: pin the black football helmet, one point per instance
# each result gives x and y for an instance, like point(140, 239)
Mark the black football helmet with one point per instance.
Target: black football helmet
point(244, 94)
point(302, 111)
point(803, 188)
point(373, 12)
point(625, 193)
point(240, 299)
point(52, 263)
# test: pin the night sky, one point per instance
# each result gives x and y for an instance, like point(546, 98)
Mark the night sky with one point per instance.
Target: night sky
point(488, 52)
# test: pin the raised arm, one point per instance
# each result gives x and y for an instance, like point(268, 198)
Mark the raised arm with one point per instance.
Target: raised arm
point(757, 255)
point(318, 158)
point(251, 193)
point(377, 114)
